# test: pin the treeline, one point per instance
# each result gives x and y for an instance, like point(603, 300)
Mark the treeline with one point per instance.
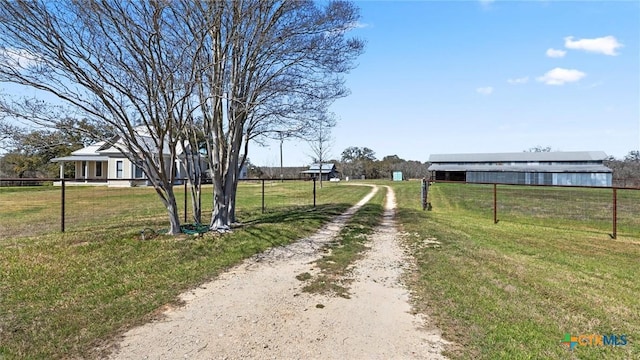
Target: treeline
point(27, 153)
point(361, 162)
point(626, 171)
point(354, 163)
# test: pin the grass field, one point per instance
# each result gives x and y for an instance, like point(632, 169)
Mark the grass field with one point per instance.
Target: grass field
point(29, 211)
point(62, 294)
point(590, 209)
point(512, 290)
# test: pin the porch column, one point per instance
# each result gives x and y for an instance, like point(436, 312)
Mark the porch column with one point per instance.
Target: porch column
point(61, 169)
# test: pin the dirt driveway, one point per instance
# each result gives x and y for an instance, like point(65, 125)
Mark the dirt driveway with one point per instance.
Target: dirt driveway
point(258, 310)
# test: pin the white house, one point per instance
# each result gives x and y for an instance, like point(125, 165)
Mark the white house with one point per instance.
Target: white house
point(104, 163)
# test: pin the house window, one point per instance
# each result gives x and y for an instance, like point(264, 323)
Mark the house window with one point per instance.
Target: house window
point(84, 169)
point(119, 169)
point(138, 172)
point(98, 168)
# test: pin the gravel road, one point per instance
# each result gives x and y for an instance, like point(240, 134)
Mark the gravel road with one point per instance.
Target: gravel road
point(258, 310)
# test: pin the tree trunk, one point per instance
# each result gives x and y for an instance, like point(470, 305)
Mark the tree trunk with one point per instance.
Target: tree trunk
point(220, 214)
point(172, 210)
point(224, 197)
point(174, 220)
point(220, 220)
point(196, 203)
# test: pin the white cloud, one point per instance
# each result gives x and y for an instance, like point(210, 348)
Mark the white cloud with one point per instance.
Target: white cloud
point(522, 80)
point(553, 53)
point(560, 76)
point(606, 45)
point(485, 90)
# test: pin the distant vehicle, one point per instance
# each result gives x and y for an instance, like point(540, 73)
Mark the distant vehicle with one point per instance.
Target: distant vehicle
point(334, 179)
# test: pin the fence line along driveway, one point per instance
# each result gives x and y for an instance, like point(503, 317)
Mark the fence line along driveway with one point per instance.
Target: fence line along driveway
point(32, 207)
point(608, 210)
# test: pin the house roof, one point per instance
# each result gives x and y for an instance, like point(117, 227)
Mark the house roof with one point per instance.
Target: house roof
point(557, 156)
point(317, 171)
point(101, 150)
point(89, 153)
point(327, 168)
point(324, 166)
point(117, 146)
point(81, 158)
point(589, 168)
point(89, 150)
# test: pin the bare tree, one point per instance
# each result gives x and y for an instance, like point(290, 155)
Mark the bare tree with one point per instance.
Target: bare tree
point(320, 140)
point(150, 69)
point(125, 64)
point(7, 132)
point(192, 142)
point(626, 172)
point(633, 156)
point(265, 66)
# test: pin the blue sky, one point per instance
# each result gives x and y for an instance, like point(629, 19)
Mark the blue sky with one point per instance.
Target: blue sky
point(488, 76)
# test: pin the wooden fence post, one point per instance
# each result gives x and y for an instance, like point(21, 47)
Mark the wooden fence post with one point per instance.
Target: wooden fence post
point(423, 194)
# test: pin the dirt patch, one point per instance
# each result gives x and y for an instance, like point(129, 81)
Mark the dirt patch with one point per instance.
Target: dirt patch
point(258, 310)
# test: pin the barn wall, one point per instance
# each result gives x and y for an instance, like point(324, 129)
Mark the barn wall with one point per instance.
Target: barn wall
point(533, 178)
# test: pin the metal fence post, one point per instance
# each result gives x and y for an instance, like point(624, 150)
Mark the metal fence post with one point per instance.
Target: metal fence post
point(263, 196)
point(62, 199)
point(495, 203)
point(615, 213)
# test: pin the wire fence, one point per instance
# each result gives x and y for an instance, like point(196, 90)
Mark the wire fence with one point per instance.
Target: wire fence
point(30, 207)
point(609, 210)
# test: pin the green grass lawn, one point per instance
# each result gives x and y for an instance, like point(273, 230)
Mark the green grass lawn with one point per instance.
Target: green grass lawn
point(586, 208)
point(512, 290)
point(498, 291)
point(62, 294)
point(29, 211)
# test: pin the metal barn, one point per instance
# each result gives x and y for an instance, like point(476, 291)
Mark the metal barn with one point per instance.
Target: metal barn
point(580, 168)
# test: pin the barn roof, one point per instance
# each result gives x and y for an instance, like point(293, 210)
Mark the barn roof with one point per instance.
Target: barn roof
point(589, 168)
point(555, 156)
point(324, 166)
point(317, 171)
